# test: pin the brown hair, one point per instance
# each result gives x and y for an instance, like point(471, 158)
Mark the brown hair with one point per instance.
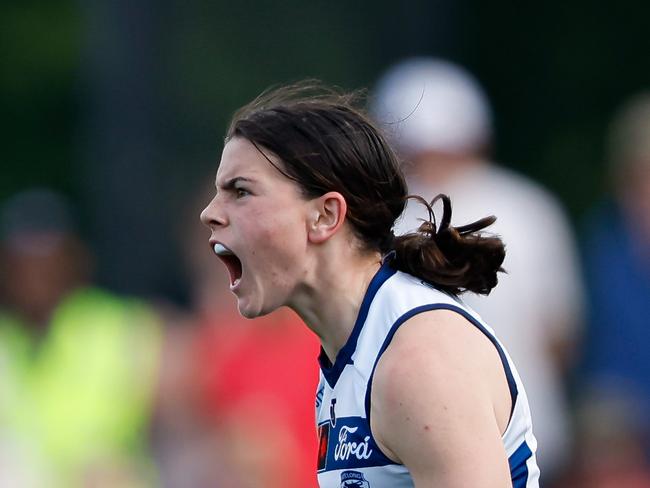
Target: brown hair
point(326, 143)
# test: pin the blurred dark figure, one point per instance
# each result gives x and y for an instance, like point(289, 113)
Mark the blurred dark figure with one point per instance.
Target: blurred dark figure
point(236, 405)
point(77, 364)
point(617, 256)
point(617, 266)
point(440, 121)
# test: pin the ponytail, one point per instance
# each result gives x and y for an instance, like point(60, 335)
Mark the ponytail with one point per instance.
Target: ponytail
point(453, 259)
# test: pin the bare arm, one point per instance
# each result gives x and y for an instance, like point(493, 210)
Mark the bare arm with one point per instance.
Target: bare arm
point(440, 402)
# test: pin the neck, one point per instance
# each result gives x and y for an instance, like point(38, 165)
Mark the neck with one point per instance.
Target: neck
point(330, 300)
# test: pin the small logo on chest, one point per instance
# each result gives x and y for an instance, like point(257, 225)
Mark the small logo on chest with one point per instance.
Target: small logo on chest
point(353, 479)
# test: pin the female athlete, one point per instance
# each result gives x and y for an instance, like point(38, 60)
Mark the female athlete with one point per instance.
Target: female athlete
point(415, 390)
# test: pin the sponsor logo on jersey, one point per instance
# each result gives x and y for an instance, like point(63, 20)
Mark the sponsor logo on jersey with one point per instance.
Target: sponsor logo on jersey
point(348, 446)
point(353, 479)
point(319, 396)
point(345, 449)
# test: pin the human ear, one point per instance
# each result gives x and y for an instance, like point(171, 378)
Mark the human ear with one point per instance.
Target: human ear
point(328, 214)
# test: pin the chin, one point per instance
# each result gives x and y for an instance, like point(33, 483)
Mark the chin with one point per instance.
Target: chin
point(250, 312)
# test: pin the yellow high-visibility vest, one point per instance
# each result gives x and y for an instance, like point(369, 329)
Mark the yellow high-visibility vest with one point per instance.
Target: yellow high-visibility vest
point(81, 395)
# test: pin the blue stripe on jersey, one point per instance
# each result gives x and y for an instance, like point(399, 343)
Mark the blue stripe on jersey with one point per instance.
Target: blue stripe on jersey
point(518, 467)
point(512, 385)
point(344, 357)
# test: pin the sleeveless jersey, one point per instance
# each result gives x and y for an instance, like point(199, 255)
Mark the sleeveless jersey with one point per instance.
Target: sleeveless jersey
point(348, 455)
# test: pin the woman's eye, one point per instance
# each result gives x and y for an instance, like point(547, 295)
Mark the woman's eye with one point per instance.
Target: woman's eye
point(240, 192)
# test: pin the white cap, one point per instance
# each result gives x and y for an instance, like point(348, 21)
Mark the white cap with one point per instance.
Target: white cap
point(425, 104)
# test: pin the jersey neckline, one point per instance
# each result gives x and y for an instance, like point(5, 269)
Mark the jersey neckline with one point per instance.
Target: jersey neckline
point(332, 372)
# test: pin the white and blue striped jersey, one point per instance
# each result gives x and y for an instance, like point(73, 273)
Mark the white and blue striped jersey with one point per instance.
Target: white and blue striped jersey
point(348, 455)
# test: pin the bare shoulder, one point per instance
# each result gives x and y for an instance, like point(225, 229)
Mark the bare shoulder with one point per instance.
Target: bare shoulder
point(439, 398)
point(440, 344)
point(444, 332)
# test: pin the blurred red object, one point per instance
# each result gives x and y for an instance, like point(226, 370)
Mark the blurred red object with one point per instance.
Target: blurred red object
point(257, 380)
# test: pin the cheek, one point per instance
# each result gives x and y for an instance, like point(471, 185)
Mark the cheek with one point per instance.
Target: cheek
point(283, 220)
point(275, 232)
point(280, 245)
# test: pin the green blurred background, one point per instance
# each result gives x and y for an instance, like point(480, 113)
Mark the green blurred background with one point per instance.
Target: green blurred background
point(122, 105)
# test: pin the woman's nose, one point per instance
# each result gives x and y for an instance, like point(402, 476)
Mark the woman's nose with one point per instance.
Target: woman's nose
point(212, 216)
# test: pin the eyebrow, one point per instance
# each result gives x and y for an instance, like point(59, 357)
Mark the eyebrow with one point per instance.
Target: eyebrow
point(230, 184)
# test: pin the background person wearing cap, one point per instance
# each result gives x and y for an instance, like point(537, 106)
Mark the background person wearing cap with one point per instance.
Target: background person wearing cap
point(438, 118)
point(77, 364)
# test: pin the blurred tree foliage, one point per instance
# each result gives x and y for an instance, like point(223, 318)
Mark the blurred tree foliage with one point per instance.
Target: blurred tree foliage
point(40, 49)
point(557, 71)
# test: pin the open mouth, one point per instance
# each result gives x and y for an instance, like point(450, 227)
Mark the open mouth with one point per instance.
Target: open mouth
point(232, 262)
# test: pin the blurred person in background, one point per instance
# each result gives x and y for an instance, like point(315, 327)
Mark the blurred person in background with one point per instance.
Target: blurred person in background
point(236, 403)
point(439, 119)
point(617, 267)
point(77, 364)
